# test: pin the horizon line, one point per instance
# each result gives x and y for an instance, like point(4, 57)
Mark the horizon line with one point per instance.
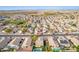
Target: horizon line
point(39, 8)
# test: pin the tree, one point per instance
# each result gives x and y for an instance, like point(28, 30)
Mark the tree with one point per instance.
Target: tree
point(12, 49)
point(18, 22)
point(8, 30)
point(0, 50)
point(6, 21)
point(34, 38)
point(49, 48)
point(72, 16)
point(24, 30)
point(77, 48)
point(74, 25)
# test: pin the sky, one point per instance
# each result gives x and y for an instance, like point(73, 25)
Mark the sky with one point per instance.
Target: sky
point(39, 7)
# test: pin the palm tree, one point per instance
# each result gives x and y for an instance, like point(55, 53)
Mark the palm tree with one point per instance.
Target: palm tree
point(34, 38)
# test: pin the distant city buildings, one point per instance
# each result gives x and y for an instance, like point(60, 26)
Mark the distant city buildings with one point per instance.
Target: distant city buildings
point(39, 23)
